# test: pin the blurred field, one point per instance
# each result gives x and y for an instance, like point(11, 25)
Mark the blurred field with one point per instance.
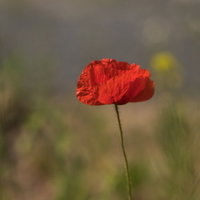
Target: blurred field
point(52, 147)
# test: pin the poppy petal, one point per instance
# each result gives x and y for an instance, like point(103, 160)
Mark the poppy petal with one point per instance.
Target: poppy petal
point(135, 87)
point(108, 81)
point(145, 94)
point(88, 96)
point(103, 71)
point(117, 89)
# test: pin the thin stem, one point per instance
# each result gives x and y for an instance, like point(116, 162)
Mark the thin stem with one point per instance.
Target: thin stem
point(124, 153)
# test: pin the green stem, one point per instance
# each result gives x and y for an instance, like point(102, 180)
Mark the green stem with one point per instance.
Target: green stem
point(124, 153)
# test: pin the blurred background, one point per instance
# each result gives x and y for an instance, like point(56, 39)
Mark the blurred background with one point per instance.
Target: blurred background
point(53, 147)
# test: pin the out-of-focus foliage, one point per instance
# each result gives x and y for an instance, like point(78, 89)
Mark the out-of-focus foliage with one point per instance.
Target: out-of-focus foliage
point(176, 139)
point(54, 148)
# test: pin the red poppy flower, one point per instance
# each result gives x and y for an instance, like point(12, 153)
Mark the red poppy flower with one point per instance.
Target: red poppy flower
point(111, 82)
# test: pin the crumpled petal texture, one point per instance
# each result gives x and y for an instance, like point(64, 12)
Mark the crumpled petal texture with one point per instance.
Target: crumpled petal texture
point(108, 81)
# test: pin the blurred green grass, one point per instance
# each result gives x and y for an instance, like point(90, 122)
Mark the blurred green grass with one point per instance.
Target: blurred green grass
point(53, 147)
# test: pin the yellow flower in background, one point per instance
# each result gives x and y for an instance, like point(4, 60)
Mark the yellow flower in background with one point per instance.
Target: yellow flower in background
point(167, 70)
point(163, 62)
